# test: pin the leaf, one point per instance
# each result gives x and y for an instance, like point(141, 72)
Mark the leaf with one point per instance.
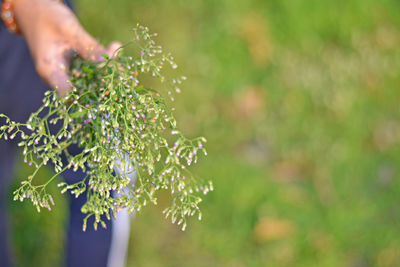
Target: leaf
point(42, 128)
point(77, 114)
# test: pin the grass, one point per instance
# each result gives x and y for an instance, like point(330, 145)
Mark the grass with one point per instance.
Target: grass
point(300, 103)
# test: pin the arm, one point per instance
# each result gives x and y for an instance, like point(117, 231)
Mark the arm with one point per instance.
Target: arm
point(53, 33)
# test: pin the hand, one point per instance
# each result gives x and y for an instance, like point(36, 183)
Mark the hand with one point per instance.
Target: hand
point(53, 34)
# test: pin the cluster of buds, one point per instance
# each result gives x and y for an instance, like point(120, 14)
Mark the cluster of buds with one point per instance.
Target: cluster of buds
point(120, 124)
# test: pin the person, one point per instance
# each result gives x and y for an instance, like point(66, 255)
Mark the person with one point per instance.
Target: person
point(30, 63)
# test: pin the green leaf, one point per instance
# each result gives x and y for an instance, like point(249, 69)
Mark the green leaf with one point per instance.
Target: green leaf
point(42, 128)
point(77, 114)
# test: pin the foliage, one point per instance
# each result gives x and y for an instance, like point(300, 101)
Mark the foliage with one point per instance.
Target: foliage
point(124, 129)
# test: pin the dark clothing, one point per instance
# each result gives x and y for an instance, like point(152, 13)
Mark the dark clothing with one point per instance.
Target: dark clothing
point(21, 91)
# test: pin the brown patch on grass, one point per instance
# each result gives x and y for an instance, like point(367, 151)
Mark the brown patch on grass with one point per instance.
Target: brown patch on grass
point(269, 229)
point(253, 29)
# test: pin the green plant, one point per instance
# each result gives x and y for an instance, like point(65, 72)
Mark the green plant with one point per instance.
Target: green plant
point(121, 126)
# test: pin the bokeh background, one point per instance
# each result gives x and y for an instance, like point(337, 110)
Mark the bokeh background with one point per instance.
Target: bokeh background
point(299, 100)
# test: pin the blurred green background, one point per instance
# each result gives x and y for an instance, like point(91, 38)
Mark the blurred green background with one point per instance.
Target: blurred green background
point(300, 103)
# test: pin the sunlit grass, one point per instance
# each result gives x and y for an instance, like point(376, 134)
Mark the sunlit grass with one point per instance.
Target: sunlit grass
point(299, 102)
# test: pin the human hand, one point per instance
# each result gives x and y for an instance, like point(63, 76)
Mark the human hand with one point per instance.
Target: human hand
point(54, 34)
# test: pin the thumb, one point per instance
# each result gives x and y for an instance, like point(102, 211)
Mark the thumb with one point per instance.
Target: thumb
point(58, 80)
point(54, 69)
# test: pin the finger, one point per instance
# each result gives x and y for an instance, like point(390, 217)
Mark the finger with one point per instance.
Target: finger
point(88, 48)
point(59, 77)
point(112, 49)
point(58, 80)
point(53, 68)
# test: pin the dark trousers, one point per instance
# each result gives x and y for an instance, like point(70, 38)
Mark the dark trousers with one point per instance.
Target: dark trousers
point(21, 90)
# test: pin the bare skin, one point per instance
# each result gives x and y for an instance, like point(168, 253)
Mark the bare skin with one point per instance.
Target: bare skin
point(54, 34)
